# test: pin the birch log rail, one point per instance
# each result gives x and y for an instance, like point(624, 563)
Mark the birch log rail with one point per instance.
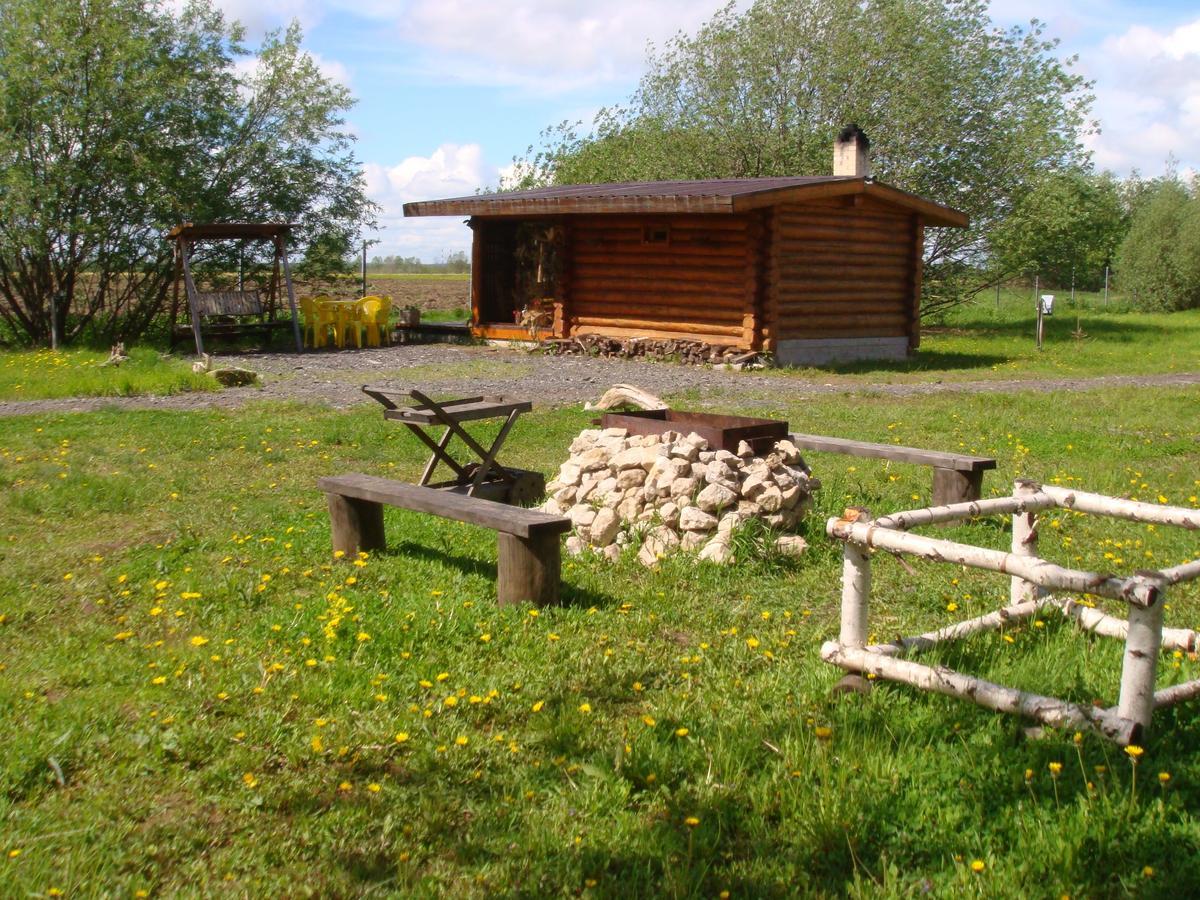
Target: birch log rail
point(1033, 580)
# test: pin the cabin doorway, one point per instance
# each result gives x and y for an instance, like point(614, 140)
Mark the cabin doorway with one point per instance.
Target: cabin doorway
point(519, 272)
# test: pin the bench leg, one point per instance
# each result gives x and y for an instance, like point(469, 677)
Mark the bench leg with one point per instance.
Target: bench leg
point(528, 569)
point(355, 524)
point(954, 486)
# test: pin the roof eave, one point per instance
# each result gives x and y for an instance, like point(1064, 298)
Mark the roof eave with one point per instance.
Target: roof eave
point(554, 206)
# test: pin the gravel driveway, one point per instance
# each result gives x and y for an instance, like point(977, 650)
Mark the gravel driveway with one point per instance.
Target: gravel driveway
point(335, 379)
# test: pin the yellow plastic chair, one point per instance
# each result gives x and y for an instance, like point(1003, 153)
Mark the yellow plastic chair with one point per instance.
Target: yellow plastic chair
point(373, 315)
point(318, 319)
point(347, 323)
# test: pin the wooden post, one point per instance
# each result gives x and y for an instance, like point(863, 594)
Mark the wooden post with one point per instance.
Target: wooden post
point(355, 524)
point(281, 246)
point(956, 486)
point(189, 285)
point(1141, 663)
point(856, 590)
point(528, 569)
point(1024, 543)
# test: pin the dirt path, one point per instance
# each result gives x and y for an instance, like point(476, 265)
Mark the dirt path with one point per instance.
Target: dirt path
point(335, 379)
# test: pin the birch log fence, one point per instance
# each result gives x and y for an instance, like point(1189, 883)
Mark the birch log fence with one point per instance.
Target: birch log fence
point(1034, 583)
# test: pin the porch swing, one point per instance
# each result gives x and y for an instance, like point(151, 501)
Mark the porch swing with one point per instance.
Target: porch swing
point(232, 313)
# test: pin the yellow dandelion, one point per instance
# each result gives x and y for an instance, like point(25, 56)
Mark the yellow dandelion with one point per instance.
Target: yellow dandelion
point(401, 737)
point(681, 732)
point(752, 642)
point(122, 635)
point(159, 679)
point(691, 821)
point(1147, 871)
point(450, 701)
point(1134, 752)
point(317, 744)
point(249, 780)
point(824, 732)
point(1055, 769)
point(462, 740)
point(345, 787)
point(978, 865)
point(374, 788)
point(585, 708)
point(1164, 777)
point(198, 640)
point(649, 721)
point(537, 707)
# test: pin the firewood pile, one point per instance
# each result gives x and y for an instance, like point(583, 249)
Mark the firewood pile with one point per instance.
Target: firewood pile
point(696, 353)
point(671, 492)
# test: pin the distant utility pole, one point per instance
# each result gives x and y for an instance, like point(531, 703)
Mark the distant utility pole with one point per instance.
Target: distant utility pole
point(1040, 313)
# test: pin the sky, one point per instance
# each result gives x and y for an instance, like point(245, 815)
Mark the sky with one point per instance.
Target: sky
point(450, 91)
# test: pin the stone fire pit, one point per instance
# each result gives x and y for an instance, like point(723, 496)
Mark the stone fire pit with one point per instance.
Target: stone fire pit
point(673, 491)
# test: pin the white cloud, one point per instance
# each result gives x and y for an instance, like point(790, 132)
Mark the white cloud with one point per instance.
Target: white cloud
point(452, 170)
point(1148, 98)
point(260, 16)
point(549, 46)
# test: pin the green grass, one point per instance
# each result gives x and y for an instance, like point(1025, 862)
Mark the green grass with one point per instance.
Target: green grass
point(45, 374)
point(979, 342)
point(219, 698)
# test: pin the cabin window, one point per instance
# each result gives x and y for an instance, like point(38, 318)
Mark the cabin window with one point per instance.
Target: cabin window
point(656, 234)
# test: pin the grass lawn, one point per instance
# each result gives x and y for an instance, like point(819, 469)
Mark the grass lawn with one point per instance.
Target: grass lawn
point(981, 342)
point(45, 374)
point(198, 697)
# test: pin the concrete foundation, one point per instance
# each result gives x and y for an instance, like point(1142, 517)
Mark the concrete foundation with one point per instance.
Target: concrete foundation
point(836, 350)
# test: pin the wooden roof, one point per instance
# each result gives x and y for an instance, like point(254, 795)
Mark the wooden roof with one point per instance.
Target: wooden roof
point(229, 230)
point(731, 195)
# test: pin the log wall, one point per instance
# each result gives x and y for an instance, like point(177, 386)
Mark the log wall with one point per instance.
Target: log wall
point(842, 269)
point(700, 284)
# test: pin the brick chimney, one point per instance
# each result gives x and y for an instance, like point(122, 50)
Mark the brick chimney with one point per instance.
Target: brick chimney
point(851, 153)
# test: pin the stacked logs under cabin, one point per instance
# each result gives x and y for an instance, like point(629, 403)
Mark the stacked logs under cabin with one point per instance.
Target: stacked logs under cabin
point(808, 269)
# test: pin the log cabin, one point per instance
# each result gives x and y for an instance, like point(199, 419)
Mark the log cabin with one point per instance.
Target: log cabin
point(810, 269)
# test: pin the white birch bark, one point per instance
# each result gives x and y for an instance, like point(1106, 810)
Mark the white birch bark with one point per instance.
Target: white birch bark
point(1110, 626)
point(856, 590)
point(971, 509)
point(941, 680)
point(1137, 590)
point(1141, 664)
point(1136, 510)
point(990, 622)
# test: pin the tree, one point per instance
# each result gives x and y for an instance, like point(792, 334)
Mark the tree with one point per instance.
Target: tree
point(1065, 230)
point(119, 119)
point(1158, 263)
point(958, 111)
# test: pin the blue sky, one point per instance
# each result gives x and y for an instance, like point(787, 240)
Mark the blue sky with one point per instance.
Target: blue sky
point(449, 91)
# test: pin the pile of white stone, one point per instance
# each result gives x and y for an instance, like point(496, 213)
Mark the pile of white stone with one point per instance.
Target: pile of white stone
point(670, 491)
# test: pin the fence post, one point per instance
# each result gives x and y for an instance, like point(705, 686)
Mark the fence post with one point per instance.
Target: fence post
point(856, 590)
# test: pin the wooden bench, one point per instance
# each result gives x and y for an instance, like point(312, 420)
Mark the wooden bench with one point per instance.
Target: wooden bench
point(529, 558)
point(225, 314)
point(956, 476)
